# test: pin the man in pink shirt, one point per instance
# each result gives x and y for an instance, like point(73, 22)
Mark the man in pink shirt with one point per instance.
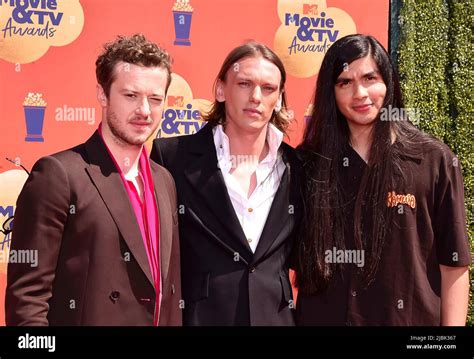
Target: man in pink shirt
point(102, 218)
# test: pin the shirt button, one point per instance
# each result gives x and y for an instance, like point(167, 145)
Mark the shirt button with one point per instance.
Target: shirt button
point(249, 240)
point(354, 293)
point(252, 269)
point(250, 210)
point(114, 296)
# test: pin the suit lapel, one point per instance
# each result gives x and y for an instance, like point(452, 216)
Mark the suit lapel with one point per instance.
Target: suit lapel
point(108, 182)
point(277, 217)
point(165, 218)
point(206, 178)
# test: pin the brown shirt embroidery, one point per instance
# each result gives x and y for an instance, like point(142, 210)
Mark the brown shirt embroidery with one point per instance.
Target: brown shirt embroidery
point(394, 199)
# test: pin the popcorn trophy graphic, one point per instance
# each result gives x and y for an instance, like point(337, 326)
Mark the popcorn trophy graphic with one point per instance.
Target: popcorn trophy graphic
point(34, 106)
point(182, 13)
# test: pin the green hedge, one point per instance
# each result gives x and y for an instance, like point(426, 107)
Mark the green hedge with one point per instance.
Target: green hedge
point(435, 61)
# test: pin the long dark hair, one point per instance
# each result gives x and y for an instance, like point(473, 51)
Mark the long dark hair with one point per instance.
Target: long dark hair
point(326, 140)
point(280, 119)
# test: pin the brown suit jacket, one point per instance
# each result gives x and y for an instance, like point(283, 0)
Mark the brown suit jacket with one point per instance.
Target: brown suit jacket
point(92, 264)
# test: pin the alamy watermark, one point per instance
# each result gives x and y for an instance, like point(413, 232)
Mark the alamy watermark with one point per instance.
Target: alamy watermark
point(22, 256)
point(75, 114)
point(236, 161)
point(355, 256)
point(28, 341)
point(400, 114)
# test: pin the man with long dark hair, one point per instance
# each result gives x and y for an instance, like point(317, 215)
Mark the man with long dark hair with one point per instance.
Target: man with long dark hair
point(238, 197)
point(383, 239)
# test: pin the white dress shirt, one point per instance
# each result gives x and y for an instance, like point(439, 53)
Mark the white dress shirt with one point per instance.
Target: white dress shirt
point(252, 211)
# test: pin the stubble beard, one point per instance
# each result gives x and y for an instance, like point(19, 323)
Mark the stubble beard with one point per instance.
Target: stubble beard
point(121, 136)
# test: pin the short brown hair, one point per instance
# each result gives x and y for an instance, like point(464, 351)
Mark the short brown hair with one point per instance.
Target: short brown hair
point(137, 50)
point(280, 119)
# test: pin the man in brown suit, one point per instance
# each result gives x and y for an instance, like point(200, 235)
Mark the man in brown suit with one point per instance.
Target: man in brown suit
point(101, 217)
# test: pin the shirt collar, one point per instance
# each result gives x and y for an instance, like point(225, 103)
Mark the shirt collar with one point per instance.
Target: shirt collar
point(221, 141)
point(143, 156)
point(274, 139)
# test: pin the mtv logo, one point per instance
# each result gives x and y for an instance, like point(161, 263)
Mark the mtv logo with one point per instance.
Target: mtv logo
point(176, 101)
point(6, 226)
point(310, 9)
point(7, 211)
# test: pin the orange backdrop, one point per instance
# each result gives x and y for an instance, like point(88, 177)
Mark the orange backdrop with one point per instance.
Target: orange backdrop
point(53, 54)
